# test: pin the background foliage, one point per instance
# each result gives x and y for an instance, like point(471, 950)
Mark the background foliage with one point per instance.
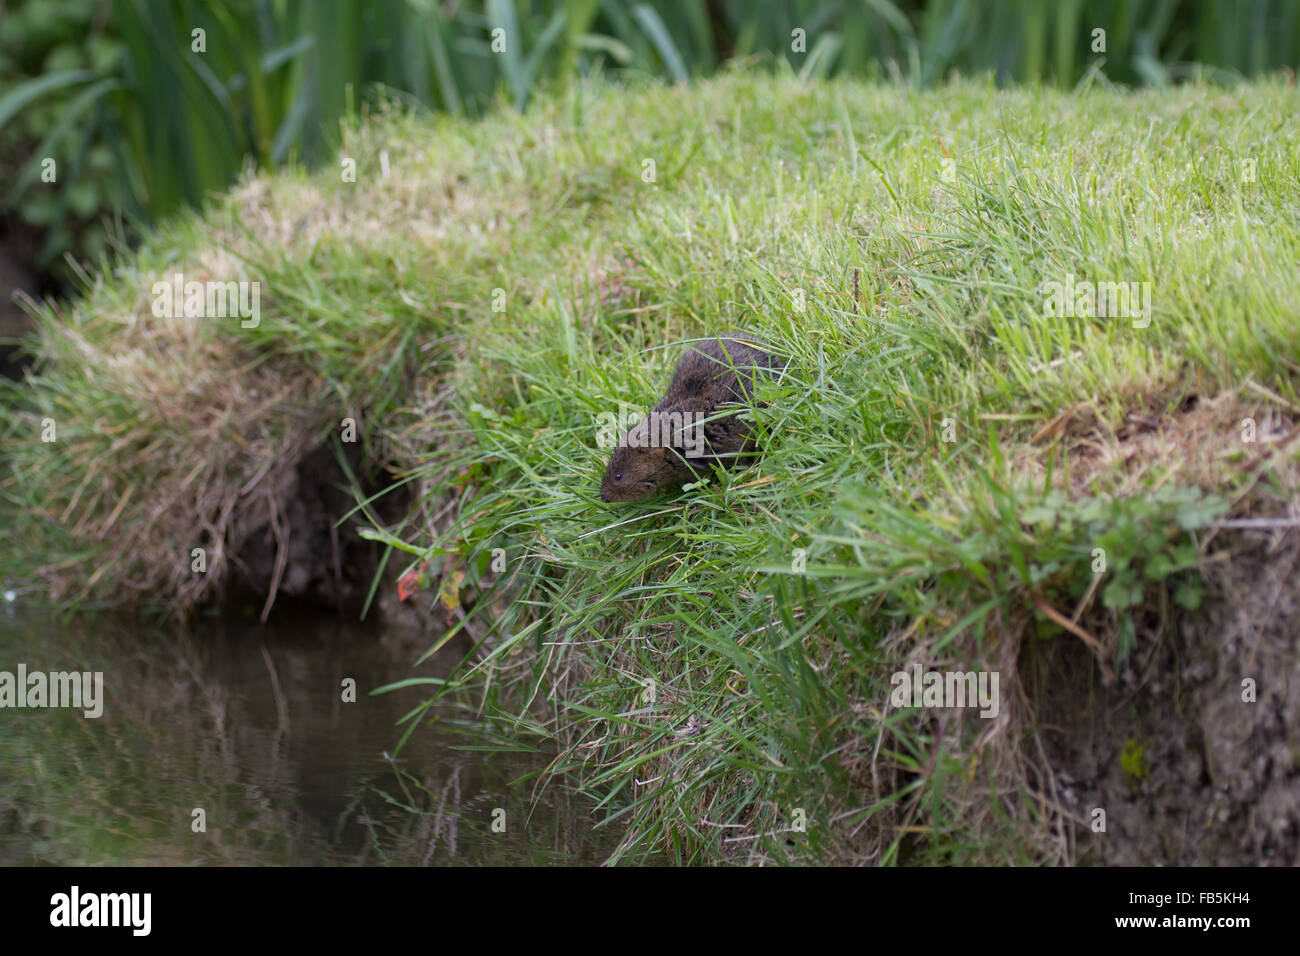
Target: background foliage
point(140, 124)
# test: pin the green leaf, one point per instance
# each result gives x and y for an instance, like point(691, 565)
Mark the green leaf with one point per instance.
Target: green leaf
point(409, 682)
point(621, 53)
point(274, 59)
point(17, 98)
point(543, 45)
point(892, 15)
point(1123, 592)
point(1158, 568)
point(1198, 514)
point(821, 57)
point(1190, 595)
point(1039, 514)
point(372, 534)
point(501, 13)
point(663, 42)
point(68, 115)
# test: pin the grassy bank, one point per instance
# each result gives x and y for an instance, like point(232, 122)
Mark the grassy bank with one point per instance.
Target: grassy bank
point(945, 459)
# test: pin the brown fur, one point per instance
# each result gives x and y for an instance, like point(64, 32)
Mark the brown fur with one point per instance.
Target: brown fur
point(710, 375)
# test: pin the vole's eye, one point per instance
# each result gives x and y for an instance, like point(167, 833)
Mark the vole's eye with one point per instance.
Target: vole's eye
point(618, 476)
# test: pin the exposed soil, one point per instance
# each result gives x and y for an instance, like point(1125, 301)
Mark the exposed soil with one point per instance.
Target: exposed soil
point(301, 555)
point(17, 276)
point(1187, 771)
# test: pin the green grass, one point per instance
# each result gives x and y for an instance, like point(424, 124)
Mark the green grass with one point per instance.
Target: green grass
point(943, 458)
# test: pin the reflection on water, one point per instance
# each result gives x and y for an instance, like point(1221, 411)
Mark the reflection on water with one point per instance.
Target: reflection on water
point(248, 724)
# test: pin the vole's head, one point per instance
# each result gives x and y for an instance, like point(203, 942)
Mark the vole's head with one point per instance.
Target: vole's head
point(639, 469)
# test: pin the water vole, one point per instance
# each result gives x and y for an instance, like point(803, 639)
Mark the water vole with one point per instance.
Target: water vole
point(690, 431)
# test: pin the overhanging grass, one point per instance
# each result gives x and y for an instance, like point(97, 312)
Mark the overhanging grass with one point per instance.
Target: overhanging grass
point(713, 663)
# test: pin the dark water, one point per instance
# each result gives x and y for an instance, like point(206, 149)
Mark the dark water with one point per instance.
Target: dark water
point(247, 723)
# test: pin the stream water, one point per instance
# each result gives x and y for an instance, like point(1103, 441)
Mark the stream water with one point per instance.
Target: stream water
point(244, 728)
